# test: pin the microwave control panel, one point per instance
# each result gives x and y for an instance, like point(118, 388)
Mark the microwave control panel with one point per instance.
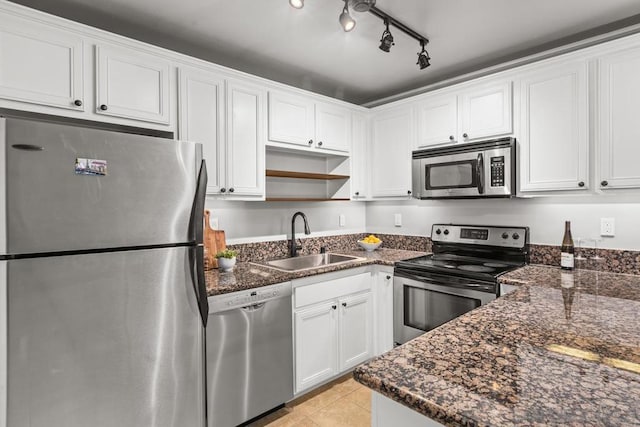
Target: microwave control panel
point(497, 171)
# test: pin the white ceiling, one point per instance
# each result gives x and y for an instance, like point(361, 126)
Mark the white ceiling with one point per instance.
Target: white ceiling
point(308, 49)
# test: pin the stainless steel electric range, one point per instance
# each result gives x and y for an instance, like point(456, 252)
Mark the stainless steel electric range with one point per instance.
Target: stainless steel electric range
point(461, 275)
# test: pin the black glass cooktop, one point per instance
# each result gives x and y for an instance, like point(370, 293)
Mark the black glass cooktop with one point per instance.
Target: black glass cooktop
point(452, 264)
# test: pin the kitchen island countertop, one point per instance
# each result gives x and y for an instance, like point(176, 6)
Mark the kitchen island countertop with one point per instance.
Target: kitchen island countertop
point(562, 349)
point(248, 275)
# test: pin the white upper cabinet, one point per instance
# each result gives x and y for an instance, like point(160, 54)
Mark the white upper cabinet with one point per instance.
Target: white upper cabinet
point(437, 120)
point(245, 147)
point(486, 111)
point(359, 155)
point(473, 112)
point(554, 127)
point(291, 119)
point(618, 129)
point(300, 121)
point(391, 144)
point(201, 117)
point(40, 65)
point(333, 127)
point(132, 85)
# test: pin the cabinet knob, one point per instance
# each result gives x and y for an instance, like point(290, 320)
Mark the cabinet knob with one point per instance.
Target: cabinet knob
point(310, 141)
point(357, 193)
point(334, 307)
point(104, 107)
point(319, 143)
point(604, 183)
point(465, 135)
point(223, 190)
point(344, 304)
point(409, 192)
point(451, 138)
point(388, 277)
point(231, 190)
point(77, 103)
point(581, 184)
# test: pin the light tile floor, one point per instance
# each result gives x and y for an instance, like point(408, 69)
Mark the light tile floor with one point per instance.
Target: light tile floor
point(343, 402)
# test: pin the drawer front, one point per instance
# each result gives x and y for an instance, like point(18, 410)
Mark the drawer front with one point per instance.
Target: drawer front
point(331, 289)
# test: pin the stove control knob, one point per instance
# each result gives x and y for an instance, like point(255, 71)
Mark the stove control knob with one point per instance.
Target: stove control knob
point(446, 232)
point(438, 231)
point(505, 235)
point(515, 236)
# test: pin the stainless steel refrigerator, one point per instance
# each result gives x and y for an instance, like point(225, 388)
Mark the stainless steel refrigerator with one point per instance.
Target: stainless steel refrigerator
point(102, 295)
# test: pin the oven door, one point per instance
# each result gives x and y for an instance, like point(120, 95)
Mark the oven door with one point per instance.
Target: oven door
point(422, 304)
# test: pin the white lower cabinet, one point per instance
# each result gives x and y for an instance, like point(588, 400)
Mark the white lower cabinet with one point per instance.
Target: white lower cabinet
point(333, 325)
point(383, 303)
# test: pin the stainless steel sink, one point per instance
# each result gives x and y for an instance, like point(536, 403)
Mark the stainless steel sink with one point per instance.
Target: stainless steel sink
point(307, 262)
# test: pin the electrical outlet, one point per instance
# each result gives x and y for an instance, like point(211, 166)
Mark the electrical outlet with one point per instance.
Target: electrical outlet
point(342, 220)
point(607, 227)
point(214, 223)
point(397, 220)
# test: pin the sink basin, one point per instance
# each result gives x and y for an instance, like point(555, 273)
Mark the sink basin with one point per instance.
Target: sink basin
point(310, 261)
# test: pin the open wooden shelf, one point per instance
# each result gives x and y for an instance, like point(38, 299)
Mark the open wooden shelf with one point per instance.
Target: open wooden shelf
point(304, 175)
point(302, 199)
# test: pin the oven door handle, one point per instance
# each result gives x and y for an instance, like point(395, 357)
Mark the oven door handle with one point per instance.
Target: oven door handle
point(480, 173)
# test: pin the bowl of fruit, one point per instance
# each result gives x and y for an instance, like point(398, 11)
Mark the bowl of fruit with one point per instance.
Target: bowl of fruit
point(370, 243)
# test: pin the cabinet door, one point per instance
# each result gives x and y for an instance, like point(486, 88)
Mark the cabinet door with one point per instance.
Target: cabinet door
point(487, 111)
point(437, 119)
point(201, 97)
point(333, 128)
point(390, 155)
point(554, 137)
point(619, 132)
point(384, 312)
point(132, 85)
point(355, 330)
point(245, 139)
point(359, 151)
point(291, 119)
point(315, 346)
point(40, 65)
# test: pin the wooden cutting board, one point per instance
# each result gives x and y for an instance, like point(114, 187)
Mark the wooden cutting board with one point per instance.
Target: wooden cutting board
point(214, 242)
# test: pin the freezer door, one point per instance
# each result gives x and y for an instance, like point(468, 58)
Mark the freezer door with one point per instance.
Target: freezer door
point(103, 340)
point(76, 188)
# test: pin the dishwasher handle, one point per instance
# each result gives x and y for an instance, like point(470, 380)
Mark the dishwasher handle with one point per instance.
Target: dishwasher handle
point(254, 307)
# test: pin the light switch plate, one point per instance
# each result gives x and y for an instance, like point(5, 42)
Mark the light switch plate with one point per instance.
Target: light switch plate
point(342, 220)
point(607, 227)
point(397, 220)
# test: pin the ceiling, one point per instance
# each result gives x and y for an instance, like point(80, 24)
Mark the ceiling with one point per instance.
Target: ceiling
point(307, 48)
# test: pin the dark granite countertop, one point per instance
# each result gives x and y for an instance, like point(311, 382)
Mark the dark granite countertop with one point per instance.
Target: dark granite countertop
point(253, 275)
point(563, 349)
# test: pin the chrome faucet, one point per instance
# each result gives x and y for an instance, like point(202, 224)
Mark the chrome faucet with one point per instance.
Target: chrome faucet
point(293, 248)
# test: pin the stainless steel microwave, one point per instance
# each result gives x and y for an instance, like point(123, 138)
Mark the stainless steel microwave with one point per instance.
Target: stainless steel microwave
point(475, 170)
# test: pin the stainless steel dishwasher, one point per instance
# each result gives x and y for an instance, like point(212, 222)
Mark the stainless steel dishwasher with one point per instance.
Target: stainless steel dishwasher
point(249, 354)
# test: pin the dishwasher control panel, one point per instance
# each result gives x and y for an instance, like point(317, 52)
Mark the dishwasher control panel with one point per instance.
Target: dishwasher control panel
point(224, 302)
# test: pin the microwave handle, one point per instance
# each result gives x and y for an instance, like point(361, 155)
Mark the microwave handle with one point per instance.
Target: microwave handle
point(480, 173)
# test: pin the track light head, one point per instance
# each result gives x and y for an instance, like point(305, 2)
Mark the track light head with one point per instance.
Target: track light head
point(345, 19)
point(386, 41)
point(423, 57)
point(298, 4)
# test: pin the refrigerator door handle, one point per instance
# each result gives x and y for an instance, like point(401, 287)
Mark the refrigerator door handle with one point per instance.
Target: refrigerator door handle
point(197, 214)
point(196, 258)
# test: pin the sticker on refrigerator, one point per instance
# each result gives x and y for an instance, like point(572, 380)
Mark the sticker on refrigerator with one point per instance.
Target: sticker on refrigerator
point(91, 167)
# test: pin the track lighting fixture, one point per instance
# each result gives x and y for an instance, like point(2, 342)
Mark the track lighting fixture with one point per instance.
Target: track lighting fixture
point(298, 4)
point(345, 19)
point(386, 41)
point(423, 56)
